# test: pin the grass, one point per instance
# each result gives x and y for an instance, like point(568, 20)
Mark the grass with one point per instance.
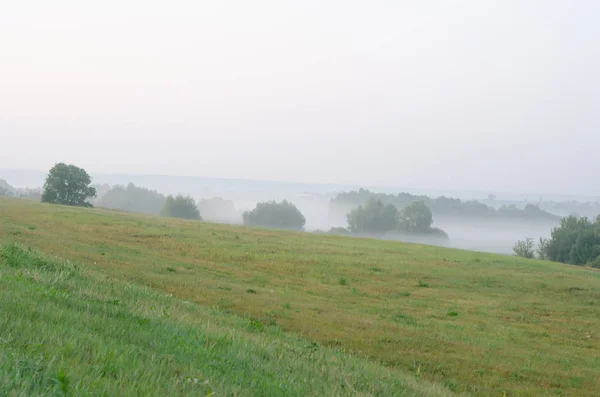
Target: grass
point(480, 324)
point(67, 330)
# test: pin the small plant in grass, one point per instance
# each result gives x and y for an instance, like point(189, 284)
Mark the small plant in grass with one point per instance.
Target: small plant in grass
point(251, 291)
point(423, 284)
point(525, 248)
point(343, 281)
point(452, 313)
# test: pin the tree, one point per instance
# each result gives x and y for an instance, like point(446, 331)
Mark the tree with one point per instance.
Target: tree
point(181, 207)
point(283, 215)
point(133, 199)
point(575, 241)
point(68, 185)
point(524, 248)
point(415, 218)
point(373, 217)
point(542, 248)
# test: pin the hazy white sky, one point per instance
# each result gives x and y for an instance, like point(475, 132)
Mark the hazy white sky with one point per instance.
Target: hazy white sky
point(485, 95)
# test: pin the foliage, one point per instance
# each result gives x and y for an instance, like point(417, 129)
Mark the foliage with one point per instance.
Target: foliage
point(378, 218)
point(525, 248)
point(181, 207)
point(442, 206)
point(373, 217)
point(542, 248)
point(283, 215)
point(133, 199)
point(68, 185)
point(415, 218)
point(575, 241)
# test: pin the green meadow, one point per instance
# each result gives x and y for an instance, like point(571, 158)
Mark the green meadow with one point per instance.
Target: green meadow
point(97, 302)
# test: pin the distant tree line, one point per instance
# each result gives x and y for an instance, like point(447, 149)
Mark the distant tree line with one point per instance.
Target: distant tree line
point(7, 190)
point(575, 241)
point(442, 206)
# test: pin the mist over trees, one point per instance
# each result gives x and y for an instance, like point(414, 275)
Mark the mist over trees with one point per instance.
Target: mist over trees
point(282, 215)
point(217, 209)
point(378, 219)
point(442, 206)
point(181, 207)
point(7, 190)
point(68, 185)
point(132, 198)
point(374, 217)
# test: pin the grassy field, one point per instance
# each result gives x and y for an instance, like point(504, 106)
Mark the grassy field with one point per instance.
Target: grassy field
point(476, 323)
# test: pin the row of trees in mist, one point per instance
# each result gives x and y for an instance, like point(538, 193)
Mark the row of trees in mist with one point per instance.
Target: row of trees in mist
point(442, 206)
point(7, 190)
point(575, 241)
point(71, 185)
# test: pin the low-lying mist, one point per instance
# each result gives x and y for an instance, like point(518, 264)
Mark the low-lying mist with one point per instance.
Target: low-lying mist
point(225, 201)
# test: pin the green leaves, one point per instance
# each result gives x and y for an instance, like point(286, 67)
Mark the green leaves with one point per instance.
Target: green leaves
point(68, 185)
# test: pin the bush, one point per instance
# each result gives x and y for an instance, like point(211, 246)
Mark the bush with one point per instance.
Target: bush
point(181, 207)
point(373, 217)
point(575, 241)
point(524, 248)
point(340, 231)
point(283, 215)
point(415, 218)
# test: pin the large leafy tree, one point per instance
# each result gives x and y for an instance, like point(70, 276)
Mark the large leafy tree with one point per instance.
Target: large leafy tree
point(68, 185)
point(181, 207)
point(283, 215)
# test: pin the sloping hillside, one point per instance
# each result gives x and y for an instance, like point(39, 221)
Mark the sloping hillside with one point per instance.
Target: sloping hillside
point(476, 323)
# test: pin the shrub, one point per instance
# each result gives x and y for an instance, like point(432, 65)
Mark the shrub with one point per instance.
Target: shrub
point(181, 207)
point(415, 218)
point(283, 215)
point(373, 217)
point(524, 248)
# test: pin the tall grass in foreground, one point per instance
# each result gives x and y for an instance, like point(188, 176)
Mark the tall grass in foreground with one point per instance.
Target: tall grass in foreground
point(68, 330)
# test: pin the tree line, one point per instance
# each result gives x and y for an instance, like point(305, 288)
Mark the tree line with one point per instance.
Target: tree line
point(71, 185)
point(443, 206)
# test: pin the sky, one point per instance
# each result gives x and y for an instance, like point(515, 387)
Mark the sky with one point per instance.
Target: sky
point(475, 95)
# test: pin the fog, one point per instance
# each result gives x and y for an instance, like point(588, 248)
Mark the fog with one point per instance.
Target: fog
point(314, 201)
point(462, 96)
point(216, 100)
